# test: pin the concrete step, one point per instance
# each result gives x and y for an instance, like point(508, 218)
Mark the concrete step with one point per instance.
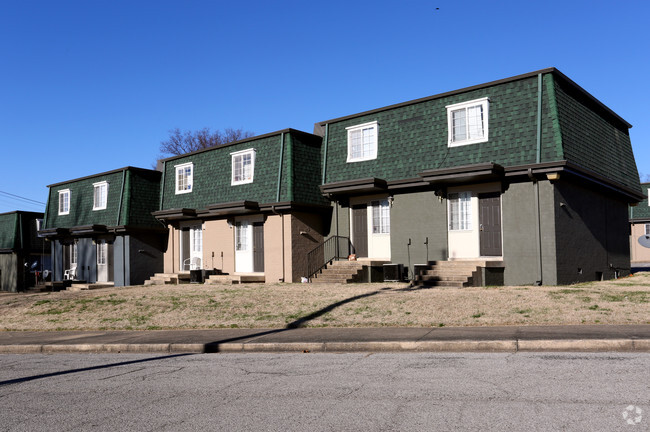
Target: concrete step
point(91, 286)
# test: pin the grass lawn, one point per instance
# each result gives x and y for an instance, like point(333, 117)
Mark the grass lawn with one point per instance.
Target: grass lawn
point(624, 301)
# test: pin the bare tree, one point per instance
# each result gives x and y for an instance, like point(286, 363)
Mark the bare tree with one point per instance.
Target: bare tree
point(181, 142)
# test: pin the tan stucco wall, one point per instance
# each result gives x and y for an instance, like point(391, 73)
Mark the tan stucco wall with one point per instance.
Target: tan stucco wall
point(219, 238)
point(171, 254)
point(638, 253)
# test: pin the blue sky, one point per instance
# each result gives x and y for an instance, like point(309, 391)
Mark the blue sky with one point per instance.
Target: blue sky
point(90, 86)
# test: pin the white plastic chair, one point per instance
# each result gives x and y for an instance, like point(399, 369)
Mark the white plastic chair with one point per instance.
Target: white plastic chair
point(193, 263)
point(70, 274)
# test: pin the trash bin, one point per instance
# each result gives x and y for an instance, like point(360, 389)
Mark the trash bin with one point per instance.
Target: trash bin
point(196, 276)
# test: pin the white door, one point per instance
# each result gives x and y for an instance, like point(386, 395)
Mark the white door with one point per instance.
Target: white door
point(378, 215)
point(102, 261)
point(244, 247)
point(196, 247)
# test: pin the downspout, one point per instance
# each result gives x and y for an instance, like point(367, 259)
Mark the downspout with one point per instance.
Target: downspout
point(538, 156)
point(282, 233)
point(277, 199)
point(117, 223)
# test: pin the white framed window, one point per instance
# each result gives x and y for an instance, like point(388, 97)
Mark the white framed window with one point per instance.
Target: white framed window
point(64, 201)
point(467, 122)
point(243, 166)
point(460, 211)
point(380, 217)
point(184, 177)
point(362, 142)
point(647, 229)
point(100, 195)
point(648, 196)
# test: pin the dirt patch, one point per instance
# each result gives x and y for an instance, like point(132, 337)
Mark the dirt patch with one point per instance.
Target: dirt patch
point(624, 301)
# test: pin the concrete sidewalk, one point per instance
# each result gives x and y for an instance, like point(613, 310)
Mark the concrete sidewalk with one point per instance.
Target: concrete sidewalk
point(594, 338)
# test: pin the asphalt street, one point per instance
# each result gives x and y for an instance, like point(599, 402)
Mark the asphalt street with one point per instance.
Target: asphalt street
point(325, 392)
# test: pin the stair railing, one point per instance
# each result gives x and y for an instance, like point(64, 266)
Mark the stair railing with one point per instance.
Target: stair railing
point(335, 247)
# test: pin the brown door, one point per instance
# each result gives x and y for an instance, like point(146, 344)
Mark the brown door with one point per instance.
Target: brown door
point(360, 230)
point(490, 224)
point(258, 247)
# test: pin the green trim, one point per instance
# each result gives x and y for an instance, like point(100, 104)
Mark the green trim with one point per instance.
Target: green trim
point(119, 208)
point(538, 154)
point(162, 185)
point(280, 167)
point(325, 140)
point(555, 118)
point(47, 208)
point(289, 168)
point(126, 187)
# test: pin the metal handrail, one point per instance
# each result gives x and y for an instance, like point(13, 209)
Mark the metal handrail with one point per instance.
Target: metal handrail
point(335, 247)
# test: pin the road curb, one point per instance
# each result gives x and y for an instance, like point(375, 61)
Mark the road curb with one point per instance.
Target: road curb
point(483, 346)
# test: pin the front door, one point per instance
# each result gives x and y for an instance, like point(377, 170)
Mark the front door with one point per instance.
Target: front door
point(104, 267)
point(244, 247)
point(490, 224)
point(192, 248)
point(258, 247)
point(360, 230)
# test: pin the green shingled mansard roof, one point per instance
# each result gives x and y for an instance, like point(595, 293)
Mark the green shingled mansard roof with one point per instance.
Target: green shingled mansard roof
point(287, 169)
point(412, 136)
point(18, 231)
point(132, 197)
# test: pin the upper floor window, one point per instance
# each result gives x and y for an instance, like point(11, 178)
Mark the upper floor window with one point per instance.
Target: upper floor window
point(243, 166)
point(460, 211)
point(362, 142)
point(184, 177)
point(380, 217)
point(100, 195)
point(64, 201)
point(468, 122)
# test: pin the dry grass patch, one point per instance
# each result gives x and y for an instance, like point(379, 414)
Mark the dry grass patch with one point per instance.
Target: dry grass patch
point(625, 301)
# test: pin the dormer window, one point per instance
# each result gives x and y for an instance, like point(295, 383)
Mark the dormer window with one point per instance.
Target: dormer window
point(362, 142)
point(243, 166)
point(100, 195)
point(468, 122)
point(184, 177)
point(64, 202)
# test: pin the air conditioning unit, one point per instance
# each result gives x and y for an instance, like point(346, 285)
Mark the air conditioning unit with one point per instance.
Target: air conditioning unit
point(393, 272)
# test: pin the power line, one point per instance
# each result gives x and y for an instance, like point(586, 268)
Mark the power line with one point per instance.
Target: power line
point(22, 198)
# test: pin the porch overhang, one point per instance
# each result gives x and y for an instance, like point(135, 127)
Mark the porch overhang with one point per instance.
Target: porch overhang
point(54, 233)
point(291, 206)
point(175, 214)
point(561, 169)
point(354, 187)
point(475, 173)
point(231, 208)
point(88, 230)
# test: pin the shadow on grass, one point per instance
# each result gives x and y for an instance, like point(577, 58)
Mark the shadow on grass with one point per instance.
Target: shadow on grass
point(214, 347)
